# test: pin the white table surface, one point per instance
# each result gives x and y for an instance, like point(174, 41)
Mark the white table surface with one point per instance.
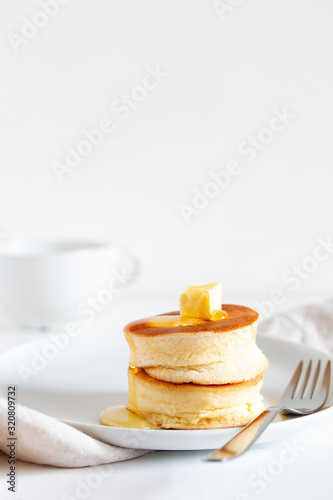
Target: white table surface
point(298, 467)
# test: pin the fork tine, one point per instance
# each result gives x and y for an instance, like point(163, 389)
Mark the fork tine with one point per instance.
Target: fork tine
point(306, 378)
point(292, 386)
point(327, 377)
point(321, 391)
point(315, 379)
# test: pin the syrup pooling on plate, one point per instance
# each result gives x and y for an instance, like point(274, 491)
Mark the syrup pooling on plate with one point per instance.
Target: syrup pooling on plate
point(120, 416)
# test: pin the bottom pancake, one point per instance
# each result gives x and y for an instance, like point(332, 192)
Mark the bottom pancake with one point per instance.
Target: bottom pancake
point(192, 406)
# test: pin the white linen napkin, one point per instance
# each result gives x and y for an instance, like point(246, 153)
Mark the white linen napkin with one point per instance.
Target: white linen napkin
point(310, 324)
point(45, 440)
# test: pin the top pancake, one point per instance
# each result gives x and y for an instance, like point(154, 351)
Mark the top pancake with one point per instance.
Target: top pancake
point(238, 317)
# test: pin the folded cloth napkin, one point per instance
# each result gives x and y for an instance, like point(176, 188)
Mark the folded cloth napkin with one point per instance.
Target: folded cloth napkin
point(310, 324)
point(45, 440)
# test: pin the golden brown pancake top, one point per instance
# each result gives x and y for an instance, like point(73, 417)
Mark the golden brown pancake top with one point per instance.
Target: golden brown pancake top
point(238, 317)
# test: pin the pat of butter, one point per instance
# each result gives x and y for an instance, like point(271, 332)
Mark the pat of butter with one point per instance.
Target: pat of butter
point(201, 301)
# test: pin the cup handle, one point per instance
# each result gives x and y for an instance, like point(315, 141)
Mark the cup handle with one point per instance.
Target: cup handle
point(131, 262)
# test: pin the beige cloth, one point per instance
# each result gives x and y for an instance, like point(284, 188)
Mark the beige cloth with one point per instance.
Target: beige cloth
point(45, 440)
point(310, 324)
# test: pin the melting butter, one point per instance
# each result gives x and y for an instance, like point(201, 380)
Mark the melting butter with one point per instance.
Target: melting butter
point(178, 320)
point(119, 416)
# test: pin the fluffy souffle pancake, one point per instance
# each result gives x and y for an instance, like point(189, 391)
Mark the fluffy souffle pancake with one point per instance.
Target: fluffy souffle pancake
point(192, 406)
point(249, 363)
point(205, 352)
point(196, 368)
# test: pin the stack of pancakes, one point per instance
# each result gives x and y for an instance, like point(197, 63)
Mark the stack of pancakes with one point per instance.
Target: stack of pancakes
point(207, 375)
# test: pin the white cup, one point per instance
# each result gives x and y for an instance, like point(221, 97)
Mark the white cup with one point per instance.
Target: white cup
point(43, 283)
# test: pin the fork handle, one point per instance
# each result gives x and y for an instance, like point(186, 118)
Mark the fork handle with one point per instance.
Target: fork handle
point(246, 437)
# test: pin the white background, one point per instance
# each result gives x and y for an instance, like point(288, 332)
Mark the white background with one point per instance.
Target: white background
point(226, 75)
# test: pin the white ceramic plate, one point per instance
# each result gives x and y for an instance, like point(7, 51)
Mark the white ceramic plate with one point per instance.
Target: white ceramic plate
point(75, 383)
